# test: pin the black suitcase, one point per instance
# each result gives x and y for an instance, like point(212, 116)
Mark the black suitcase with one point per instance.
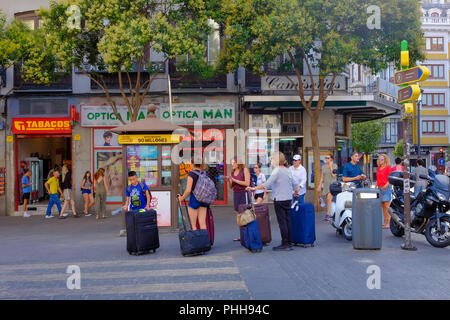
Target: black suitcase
point(142, 232)
point(192, 242)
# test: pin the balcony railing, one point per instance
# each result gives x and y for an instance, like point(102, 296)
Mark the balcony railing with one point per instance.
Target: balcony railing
point(435, 20)
point(64, 82)
point(192, 81)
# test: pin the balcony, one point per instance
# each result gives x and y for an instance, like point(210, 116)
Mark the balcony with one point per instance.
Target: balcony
point(435, 20)
point(63, 84)
point(192, 81)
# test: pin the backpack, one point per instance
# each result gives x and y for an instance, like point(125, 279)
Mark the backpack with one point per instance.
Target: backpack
point(205, 189)
point(142, 184)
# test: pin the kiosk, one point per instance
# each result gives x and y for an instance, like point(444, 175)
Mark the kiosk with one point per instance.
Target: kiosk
point(147, 146)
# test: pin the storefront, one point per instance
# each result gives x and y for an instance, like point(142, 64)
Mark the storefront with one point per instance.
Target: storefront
point(209, 137)
point(40, 144)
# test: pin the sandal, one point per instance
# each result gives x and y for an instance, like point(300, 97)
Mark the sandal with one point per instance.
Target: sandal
point(104, 217)
point(237, 239)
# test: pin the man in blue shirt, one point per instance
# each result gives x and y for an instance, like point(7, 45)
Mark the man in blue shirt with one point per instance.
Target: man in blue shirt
point(137, 193)
point(352, 171)
point(26, 189)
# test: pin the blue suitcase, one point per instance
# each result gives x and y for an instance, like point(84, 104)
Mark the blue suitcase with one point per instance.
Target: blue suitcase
point(251, 238)
point(303, 224)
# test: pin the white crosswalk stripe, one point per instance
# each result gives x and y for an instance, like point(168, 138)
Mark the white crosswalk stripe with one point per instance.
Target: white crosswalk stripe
point(101, 278)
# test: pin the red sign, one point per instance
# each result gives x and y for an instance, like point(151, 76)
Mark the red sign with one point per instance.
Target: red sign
point(42, 126)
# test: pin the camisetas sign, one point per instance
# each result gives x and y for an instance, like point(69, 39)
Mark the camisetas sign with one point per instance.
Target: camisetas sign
point(182, 114)
point(283, 83)
point(41, 126)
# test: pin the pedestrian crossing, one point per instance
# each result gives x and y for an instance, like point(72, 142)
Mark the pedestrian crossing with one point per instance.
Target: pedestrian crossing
point(144, 277)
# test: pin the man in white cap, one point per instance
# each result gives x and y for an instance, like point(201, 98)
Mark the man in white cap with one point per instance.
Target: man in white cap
point(300, 177)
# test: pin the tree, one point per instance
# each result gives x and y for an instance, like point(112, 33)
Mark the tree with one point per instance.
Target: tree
point(366, 136)
point(15, 44)
point(321, 37)
point(398, 150)
point(98, 36)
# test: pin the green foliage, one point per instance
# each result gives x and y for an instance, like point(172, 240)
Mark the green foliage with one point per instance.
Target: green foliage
point(112, 34)
point(333, 32)
point(367, 135)
point(398, 151)
point(14, 41)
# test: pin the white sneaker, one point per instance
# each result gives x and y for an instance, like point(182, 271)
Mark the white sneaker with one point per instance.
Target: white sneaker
point(123, 233)
point(26, 215)
point(65, 214)
point(322, 203)
point(48, 217)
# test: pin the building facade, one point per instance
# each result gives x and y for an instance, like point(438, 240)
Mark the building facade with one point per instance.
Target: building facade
point(69, 122)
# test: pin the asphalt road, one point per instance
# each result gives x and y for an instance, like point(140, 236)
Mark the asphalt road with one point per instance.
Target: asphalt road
point(35, 254)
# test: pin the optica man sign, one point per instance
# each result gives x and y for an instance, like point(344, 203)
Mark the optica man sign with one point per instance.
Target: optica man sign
point(41, 126)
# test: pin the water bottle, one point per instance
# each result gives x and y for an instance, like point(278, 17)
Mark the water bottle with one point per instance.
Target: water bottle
point(116, 211)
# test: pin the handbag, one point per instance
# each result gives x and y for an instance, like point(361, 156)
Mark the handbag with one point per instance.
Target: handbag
point(247, 216)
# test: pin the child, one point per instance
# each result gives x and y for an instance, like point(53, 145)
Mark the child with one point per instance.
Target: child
point(138, 194)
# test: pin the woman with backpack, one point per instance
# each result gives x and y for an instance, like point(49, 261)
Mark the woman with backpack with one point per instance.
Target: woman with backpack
point(196, 209)
point(239, 181)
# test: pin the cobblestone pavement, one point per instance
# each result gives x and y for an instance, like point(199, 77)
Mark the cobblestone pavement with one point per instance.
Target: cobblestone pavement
point(35, 254)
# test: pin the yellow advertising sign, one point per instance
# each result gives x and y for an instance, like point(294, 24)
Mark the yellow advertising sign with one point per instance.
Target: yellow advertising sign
point(149, 139)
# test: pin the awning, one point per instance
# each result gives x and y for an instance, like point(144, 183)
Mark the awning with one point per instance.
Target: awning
point(360, 107)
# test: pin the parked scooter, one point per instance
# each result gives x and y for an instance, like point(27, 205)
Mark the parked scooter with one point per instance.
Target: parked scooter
point(341, 207)
point(429, 209)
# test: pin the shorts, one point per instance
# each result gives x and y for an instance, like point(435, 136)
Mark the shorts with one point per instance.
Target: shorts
point(67, 194)
point(386, 196)
point(26, 195)
point(84, 191)
point(240, 197)
point(259, 195)
point(195, 204)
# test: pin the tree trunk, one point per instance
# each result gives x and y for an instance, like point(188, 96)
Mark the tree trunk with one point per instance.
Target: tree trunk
point(316, 155)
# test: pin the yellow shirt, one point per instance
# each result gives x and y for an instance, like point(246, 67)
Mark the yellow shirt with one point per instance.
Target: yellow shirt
point(53, 184)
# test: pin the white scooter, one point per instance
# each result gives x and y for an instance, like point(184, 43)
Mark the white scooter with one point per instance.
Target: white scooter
point(341, 207)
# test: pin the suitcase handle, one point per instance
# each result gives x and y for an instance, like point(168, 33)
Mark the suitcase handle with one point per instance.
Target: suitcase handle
point(183, 216)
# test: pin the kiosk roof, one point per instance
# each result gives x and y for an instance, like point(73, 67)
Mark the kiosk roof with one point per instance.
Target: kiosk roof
point(147, 125)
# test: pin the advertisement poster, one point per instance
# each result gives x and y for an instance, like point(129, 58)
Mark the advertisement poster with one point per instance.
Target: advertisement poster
point(161, 203)
point(105, 138)
point(111, 161)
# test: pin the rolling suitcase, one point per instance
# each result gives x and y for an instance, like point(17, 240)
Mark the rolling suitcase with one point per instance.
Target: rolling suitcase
point(262, 215)
point(303, 224)
point(209, 225)
point(250, 237)
point(142, 231)
point(192, 242)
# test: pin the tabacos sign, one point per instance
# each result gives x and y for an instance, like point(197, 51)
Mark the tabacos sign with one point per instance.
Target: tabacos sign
point(182, 114)
point(41, 126)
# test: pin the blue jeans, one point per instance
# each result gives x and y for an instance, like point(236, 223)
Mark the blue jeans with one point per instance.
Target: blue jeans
point(54, 199)
point(301, 199)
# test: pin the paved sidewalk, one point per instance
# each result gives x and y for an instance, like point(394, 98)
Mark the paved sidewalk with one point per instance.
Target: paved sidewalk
point(35, 253)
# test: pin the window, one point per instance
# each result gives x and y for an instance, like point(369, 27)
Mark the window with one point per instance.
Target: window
point(436, 71)
point(339, 126)
point(43, 107)
point(433, 127)
point(390, 134)
point(433, 100)
point(29, 18)
point(434, 44)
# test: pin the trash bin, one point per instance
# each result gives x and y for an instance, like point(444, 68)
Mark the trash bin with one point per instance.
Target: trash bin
point(367, 216)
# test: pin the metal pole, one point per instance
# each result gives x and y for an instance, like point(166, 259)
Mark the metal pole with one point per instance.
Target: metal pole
point(419, 127)
point(407, 245)
point(170, 97)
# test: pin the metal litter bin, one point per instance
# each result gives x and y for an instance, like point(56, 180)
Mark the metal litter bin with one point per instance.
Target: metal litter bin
point(367, 216)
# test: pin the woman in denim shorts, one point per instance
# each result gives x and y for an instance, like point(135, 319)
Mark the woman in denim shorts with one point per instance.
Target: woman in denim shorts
point(196, 209)
point(384, 169)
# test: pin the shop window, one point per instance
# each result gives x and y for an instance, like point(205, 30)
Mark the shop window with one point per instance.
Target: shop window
point(108, 155)
point(291, 123)
point(339, 128)
point(265, 121)
point(43, 107)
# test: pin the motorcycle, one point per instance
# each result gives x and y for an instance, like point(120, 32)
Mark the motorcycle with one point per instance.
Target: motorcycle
point(428, 209)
